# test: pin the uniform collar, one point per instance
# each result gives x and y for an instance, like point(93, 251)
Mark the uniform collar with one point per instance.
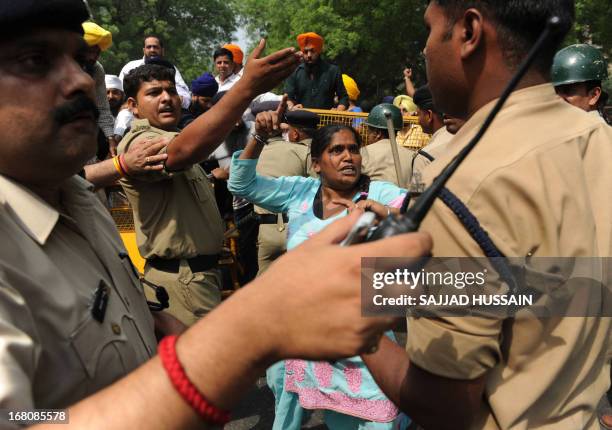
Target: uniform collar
point(595, 113)
point(36, 217)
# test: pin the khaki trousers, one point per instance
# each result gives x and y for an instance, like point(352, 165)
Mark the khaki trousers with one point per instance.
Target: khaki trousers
point(192, 295)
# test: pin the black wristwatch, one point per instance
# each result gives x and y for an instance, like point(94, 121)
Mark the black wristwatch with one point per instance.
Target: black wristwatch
point(260, 139)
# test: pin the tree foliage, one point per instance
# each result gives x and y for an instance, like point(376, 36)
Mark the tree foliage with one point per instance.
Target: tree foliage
point(372, 41)
point(191, 29)
point(593, 25)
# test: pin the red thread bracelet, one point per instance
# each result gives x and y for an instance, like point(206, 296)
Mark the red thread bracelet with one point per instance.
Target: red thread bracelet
point(123, 164)
point(178, 377)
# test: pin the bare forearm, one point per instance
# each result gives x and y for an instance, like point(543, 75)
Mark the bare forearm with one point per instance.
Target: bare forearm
point(410, 90)
point(388, 365)
point(432, 401)
point(251, 151)
point(200, 138)
point(102, 174)
point(222, 355)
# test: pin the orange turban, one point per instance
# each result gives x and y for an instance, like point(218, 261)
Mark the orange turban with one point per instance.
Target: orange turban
point(236, 52)
point(310, 38)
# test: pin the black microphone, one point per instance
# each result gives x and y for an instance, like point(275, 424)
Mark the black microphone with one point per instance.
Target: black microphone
point(411, 220)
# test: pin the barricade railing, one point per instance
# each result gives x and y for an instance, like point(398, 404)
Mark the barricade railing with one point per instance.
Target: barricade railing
point(411, 136)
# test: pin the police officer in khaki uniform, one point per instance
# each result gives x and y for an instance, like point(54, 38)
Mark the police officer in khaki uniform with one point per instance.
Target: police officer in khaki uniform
point(179, 231)
point(281, 158)
point(432, 122)
point(577, 74)
point(178, 227)
point(535, 183)
point(378, 162)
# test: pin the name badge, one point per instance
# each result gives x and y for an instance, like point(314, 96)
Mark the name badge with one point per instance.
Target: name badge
point(98, 310)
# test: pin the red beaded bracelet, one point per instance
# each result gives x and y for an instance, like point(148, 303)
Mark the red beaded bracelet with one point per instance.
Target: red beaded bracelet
point(176, 373)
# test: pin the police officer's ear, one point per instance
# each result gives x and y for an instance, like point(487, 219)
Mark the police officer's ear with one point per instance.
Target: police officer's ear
point(133, 106)
point(472, 24)
point(294, 134)
point(594, 96)
point(429, 115)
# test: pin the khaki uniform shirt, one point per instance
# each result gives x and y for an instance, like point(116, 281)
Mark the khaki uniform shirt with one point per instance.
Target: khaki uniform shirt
point(437, 146)
point(53, 353)
point(533, 182)
point(175, 213)
point(377, 162)
point(280, 158)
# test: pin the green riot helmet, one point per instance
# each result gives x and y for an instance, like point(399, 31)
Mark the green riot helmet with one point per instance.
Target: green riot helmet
point(578, 63)
point(377, 118)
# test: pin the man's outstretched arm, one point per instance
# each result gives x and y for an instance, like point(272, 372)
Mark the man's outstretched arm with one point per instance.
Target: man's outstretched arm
point(314, 313)
point(198, 140)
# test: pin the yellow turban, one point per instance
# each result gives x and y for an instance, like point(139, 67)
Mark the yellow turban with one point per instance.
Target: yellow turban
point(405, 102)
point(351, 87)
point(310, 38)
point(237, 53)
point(96, 35)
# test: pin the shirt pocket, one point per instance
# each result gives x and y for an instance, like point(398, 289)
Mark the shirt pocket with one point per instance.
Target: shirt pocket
point(199, 185)
point(105, 349)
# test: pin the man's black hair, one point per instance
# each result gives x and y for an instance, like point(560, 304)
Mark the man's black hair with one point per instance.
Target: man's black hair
point(221, 52)
point(424, 99)
point(383, 132)
point(309, 132)
point(154, 36)
point(145, 73)
point(519, 24)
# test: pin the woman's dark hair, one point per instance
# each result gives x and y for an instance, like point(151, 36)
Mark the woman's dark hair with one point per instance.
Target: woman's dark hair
point(145, 73)
point(323, 136)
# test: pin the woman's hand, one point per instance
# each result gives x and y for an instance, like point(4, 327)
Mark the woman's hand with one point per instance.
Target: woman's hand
point(268, 123)
point(220, 173)
point(381, 211)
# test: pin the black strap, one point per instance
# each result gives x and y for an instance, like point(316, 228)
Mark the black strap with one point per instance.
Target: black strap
point(425, 154)
point(475, 230)
point(480, 236)
point(271, 218)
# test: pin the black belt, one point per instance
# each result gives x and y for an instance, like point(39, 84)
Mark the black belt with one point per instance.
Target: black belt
point(271, 218)
point(199, 263)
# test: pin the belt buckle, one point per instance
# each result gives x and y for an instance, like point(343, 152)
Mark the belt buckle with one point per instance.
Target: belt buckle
point(280, 222)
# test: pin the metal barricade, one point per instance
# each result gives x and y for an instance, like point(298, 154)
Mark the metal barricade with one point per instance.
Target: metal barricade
point(411, 136)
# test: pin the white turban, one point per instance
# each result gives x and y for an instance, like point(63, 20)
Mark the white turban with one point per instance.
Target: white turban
point(113, 82)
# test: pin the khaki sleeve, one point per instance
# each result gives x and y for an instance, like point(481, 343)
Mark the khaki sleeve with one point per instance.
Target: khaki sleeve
point(135, 139)
point(419, 163)
point(19, 352)
point(454, 347)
